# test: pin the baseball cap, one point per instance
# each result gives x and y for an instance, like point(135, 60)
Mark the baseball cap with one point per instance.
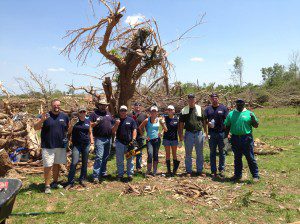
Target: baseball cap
point(123, 107)
point(103, 102)
point(191, 95)
point(240, 101)
point(81, 108)
point(171, 107)
point(154, 108)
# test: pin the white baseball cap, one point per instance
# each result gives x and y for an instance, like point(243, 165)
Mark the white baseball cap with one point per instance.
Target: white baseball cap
point(154, 108)
point(171, 107)
point(123, 107)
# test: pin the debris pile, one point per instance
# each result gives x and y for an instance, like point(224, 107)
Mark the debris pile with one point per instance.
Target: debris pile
point(262, 148)
point(139, 190)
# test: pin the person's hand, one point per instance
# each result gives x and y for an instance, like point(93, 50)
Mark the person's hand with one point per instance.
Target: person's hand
point(229, 136)
point(206, 136)
point(179, 144)
point(92, 147)
point(162, 120)
point(118, 121)
point(44, 116)
point(74, 121)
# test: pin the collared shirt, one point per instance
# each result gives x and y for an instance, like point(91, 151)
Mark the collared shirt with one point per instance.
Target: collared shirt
point(104, 127)
point(81, 132)
point(172, 126)
point(240, 122)
point(54, 130)
point(219, 114)
point(125, 130)
point(192, 121)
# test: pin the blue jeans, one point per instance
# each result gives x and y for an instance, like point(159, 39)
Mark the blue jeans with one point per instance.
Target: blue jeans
point(152, 150)
point(76, 151)
point(102, 149)
point(121, 149)
point(191, 139)
point(244, 145)
point(217, 140)
point(138, 163)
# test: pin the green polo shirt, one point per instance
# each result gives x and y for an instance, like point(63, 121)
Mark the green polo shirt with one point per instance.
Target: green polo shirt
point(239, 122)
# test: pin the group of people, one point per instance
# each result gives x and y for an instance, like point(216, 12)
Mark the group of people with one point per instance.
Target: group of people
point(97, 130)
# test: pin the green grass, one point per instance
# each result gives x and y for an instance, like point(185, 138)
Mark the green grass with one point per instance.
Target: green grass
point(275, 199)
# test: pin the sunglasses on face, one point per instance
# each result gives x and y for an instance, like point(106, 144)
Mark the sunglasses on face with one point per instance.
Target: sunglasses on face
point(81, 112)
point(123, 110)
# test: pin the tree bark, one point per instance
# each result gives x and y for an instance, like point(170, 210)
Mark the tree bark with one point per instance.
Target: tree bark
point(5, 163)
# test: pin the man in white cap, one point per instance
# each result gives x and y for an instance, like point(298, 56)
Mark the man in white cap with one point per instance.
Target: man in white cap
point(126, 132)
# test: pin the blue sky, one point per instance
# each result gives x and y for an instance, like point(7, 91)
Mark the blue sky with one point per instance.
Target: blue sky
point(261, 32)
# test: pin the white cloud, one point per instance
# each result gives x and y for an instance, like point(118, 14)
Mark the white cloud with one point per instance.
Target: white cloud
point(132, 20)
point(197, 59)
point(57, 48)
point(56, 70)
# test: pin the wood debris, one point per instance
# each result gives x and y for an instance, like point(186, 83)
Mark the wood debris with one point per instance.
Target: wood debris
point(139, 190)
point(262, 148)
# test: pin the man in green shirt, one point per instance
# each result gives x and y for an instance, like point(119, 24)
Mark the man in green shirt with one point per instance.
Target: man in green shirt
point(240, 122)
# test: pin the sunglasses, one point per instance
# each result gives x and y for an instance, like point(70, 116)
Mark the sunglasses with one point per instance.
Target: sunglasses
point(123, 110)
point(81, 112)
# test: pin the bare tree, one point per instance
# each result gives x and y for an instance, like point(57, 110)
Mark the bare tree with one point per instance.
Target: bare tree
point(133, 50)
point(237, 72)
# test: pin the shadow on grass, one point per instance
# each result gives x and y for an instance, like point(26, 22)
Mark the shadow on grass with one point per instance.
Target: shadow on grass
point(34, 187)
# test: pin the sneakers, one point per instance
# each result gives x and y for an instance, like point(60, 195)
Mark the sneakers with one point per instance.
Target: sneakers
point(120, 178)
point(56, 185)
point(47, 190)
point(255, 179)
point(95, 181)
point(82, 183)
point(69, 186)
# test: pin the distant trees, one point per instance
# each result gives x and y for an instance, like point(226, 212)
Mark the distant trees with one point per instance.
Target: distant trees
point(237, 72)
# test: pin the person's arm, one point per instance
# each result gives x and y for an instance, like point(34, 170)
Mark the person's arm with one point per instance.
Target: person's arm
point(180, 130)
point(134, 134)
point(205, 127)
point(91, 135)
point(116, 126)
point(163, 124)
point(39, 124)
point(227, 124)
point(254, 121)
point(142, 126)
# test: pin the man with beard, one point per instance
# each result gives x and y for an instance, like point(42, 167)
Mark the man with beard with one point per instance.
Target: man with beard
point(54, 125)
point(240, 122)
point(102, 124)
point(139, 117)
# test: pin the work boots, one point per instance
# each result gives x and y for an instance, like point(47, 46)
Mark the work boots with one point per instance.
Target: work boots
point(175, 166)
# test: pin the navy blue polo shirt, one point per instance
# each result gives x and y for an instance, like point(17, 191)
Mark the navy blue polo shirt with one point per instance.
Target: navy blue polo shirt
point(81, 133)
point(54, 130)
point(125, 130)
point(172, 125)
point(219, 114)
point(104, 128)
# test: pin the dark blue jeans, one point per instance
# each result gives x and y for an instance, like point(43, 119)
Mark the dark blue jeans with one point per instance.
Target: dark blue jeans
point(138, 164)
point(102, 149)
point(76, 151)
point(217, 140)
point(152, 149)
point(244, 145)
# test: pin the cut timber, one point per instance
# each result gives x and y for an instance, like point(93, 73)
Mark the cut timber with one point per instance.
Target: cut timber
point(5, 163)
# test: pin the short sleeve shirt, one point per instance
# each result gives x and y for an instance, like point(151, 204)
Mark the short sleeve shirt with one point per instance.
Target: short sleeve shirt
point(81, 133)
point(104, 128)
point(125, 130)
point(219, 114)
point(191, 120)
point(172, 125)
point(54, 130)
point(240, 122)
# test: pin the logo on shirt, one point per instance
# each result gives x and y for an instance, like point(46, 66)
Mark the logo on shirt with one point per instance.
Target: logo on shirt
point(107, 115)
point(87, 125)
point(127, 122)
point(62, 120)
point(220, 112)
